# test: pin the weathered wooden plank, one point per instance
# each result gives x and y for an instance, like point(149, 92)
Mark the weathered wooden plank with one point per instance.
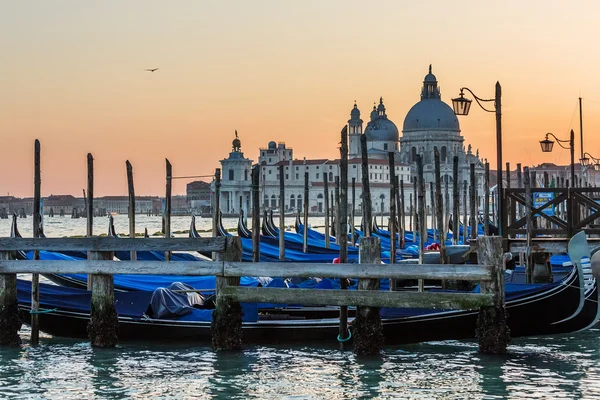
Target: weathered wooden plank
point(545, 246)
point(112, 267)
point(375, 271)
point(113, 244)
point(370, 298)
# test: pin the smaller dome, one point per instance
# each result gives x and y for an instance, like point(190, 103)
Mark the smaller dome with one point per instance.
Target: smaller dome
point(430, 78)
point(374, 113)
point(272, 145)
point(355, 112)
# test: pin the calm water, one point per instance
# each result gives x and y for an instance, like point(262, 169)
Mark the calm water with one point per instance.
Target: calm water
point(557, 367)
point(560, 367)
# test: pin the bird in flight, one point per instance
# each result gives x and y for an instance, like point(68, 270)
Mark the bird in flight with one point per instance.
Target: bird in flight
point(151, 69)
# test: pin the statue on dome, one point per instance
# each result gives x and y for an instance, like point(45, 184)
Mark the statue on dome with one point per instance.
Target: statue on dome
point(477, 154)
point(470, 151)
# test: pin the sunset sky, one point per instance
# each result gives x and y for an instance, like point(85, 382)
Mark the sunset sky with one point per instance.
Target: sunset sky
point(72, 75)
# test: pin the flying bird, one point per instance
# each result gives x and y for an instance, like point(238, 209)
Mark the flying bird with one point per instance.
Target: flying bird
point(151, 69)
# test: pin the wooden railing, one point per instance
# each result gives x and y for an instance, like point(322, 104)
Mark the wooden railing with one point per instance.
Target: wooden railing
point(228, 269)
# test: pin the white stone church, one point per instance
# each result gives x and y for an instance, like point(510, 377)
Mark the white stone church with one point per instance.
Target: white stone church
point(430, 123)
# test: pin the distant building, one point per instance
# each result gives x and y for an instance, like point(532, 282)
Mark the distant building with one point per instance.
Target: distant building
point(199, 196)
point(120, 204)
point(429, 125)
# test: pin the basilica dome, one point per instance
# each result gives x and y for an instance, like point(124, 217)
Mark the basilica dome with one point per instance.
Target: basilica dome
point(431, 113)
point(380, 128)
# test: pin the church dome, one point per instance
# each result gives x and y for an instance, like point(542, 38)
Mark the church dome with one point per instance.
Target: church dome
point(431, 113)
point(380, 128)
point(355, 113)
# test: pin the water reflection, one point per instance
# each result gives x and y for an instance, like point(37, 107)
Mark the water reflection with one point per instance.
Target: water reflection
point(552, 367)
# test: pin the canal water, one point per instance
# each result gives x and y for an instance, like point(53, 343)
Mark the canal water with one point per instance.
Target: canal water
point(554, 367)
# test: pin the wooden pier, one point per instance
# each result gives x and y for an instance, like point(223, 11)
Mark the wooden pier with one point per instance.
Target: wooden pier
point(227, 322)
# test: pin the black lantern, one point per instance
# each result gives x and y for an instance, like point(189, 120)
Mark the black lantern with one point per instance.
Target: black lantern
point(584, 161)
point(547, 145)
point(461, 105)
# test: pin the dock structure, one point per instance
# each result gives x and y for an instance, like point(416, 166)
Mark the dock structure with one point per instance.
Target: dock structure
point(227, 322)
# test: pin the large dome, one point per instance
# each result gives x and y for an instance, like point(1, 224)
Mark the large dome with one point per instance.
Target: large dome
point(381, 130)
point(431, 114)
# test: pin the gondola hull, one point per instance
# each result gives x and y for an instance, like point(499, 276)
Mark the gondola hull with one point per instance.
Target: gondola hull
point(528, 314)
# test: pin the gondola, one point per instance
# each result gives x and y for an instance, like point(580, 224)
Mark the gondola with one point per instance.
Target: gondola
point(242, 229)
point(531, 311)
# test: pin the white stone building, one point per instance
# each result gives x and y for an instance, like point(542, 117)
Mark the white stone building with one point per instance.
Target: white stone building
point(430, 123)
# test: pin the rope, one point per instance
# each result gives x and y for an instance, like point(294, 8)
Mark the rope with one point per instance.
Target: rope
point(339, 339)
point(43, 311)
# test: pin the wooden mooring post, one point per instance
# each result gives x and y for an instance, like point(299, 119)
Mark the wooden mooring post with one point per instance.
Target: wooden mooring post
point(393, 191)
point(492, 332)
point(366, 327)
point(421, 215)
point(305, 205)
point(37, 225)
point(343, 333)
point(486, 200)
point(226, 325)
point(455, 202)
point(104, 322)
point(167, 216)
point(281, 213)
point(256, 213)
point(10, 322)
point(90, 201)
point(366, 192)
point(439, 202)
point(473, 203)
point(402, 212)
point(131, 208)
point(326, 202)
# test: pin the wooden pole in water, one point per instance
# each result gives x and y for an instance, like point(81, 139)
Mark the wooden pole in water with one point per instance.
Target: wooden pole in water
point(473, 203)
point(90, 200)
point(131, 210)
point(492, 331)
point(306, 203)
point(216, 207)
point(367, 327)
point(35, 278)
point(255, 213)
point(167, 216)
point(421, 214)
point(281, 213)
point(227, 317)
point(529, 224)
point(104, 322)
point(10, 322)
point(507, 204)
point(410, 216)
point(414, 210)
point(402, 216)
point(352, 228)
point(439, 206)
point(486, 200)
point(446, 207)
point(326, 199)
point(465, 221)
point(337, 227)
point(393, 191)
point(366, 187)
point(343, 225)
point(432, 207)
point(455, 202)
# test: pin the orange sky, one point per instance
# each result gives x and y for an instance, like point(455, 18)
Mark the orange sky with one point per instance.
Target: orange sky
point(73, 76)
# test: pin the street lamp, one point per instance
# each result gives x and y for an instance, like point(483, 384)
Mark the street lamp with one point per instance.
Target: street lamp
point(585, 161)
point(547, 145)
point(461, 106)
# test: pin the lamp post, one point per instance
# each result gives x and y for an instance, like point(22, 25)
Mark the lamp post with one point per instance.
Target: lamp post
point(585, 160)
point(547, 145)
point(461, 106)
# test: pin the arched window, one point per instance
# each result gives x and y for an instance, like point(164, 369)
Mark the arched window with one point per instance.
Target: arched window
point(292, 201)
point(331, 177)
point(273, 201)
point(266, 201)
point(299, 202)
point(413, 154)
point(443, 155)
